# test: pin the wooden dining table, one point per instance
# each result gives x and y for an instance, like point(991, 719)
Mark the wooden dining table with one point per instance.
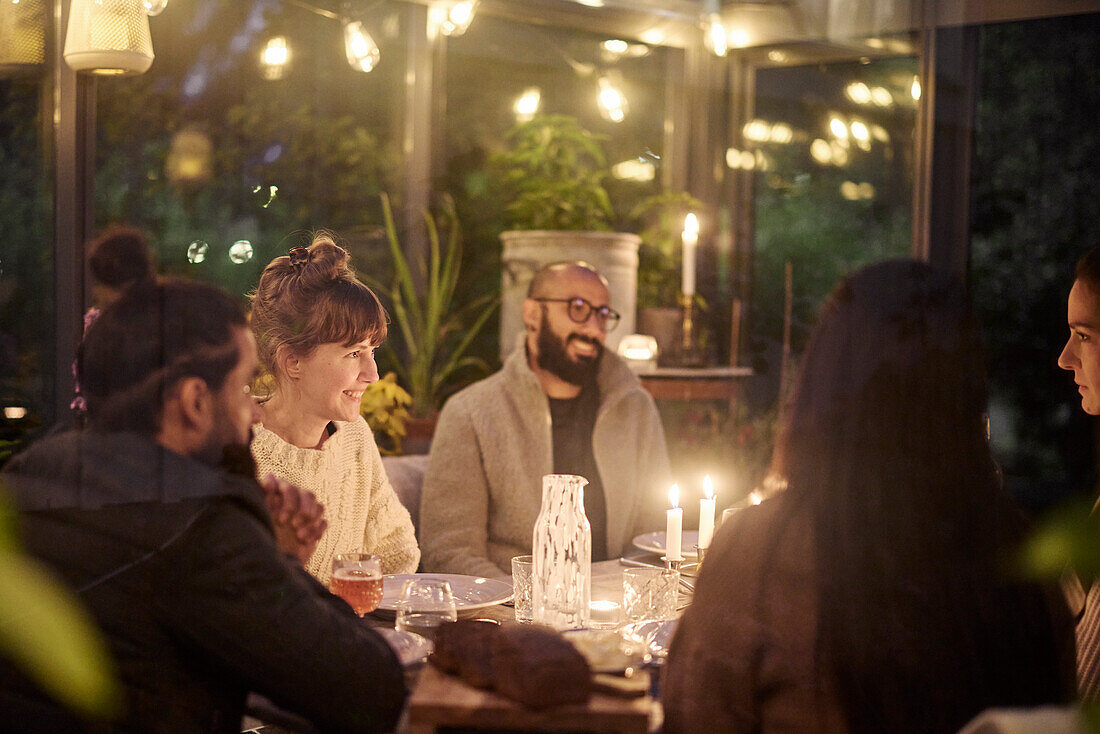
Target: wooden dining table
point(440, 701)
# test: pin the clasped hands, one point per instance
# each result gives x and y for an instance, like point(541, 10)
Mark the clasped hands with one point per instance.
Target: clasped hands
point(297, 516)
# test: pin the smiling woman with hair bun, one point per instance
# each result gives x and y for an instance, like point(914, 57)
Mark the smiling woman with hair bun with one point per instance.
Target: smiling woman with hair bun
point(316, 329)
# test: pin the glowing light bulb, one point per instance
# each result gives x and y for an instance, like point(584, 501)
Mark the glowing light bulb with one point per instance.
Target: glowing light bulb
point(716, 38)
point(527, 104)
point(858, 92)
point(362, 52)
point(275, 57)
point(739, 38)
point(838, 128)
point(612, 102)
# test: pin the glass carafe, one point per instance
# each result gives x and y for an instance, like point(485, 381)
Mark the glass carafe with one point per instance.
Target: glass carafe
point(562, 549)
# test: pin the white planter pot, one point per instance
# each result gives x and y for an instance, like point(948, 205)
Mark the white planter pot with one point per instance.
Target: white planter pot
point(613, 254)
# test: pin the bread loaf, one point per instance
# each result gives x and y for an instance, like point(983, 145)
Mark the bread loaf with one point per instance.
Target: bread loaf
point(462, 648)
point(537, 667)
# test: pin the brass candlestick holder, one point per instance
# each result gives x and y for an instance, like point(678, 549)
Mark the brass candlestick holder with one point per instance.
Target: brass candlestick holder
point(672, 564)
point(687, 327)
point(688, 355)
point(700, 553)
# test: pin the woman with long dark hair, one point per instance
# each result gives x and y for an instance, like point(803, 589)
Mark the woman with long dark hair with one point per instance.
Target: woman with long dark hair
point(875, 593)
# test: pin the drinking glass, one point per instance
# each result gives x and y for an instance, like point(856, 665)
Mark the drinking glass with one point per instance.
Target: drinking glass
point(357, 579)
point(649, 593)
point(423, 605)
point(521, 588)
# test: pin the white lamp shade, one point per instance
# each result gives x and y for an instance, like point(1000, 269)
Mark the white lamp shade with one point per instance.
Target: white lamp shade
point(22, 34)
point(109, 37)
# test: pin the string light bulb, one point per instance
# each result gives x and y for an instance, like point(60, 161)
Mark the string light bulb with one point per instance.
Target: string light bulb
point(275, 57)
point(527, 104)
point(363, 53)
point(451, 18)
point(716, 40)
point(611, 100)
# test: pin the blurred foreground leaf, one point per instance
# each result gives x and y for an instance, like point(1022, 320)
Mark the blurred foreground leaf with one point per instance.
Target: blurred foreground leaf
point(1069, 535)
point(46, 633)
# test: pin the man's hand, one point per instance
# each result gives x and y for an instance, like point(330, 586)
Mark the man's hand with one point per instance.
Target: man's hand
point(297, 516)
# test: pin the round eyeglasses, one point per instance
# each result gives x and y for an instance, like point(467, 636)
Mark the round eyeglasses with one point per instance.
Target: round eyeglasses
point(580, 310)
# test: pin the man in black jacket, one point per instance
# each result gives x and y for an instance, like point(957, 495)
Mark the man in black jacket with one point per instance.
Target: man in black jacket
point(152, 516)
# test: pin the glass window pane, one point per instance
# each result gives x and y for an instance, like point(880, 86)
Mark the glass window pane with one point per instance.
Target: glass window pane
point(1034, 211)
point(26, 265)
point(502, 72)
point(250, 129)
point(831, 149)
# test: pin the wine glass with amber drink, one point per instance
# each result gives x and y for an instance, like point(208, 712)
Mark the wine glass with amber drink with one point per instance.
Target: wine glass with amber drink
point(357, 579)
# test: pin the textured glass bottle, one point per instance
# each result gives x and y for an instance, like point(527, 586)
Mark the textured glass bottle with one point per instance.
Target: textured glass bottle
point(562, 549)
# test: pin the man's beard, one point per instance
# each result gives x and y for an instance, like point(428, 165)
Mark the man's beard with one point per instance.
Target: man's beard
point(553, 358)
point(228, 454)
point(237, 459)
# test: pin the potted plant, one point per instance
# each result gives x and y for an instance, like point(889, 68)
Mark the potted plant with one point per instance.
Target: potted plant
point(435, 333)
point(385, 408)
point(550, 177)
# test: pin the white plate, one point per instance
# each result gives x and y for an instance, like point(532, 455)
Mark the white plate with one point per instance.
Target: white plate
point(655, 543)
point(607, 651)
point(471, 592)
point(410, 647)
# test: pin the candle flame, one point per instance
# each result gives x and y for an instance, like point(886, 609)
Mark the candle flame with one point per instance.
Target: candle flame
point(674, 496)
point(691, 224)
point(708, 487)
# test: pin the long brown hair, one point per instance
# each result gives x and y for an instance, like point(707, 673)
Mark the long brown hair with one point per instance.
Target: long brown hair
point(312, 297)
point(885, 446)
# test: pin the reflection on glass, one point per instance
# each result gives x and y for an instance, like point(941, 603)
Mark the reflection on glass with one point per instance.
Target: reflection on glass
point(26, 268)
point(833, 187)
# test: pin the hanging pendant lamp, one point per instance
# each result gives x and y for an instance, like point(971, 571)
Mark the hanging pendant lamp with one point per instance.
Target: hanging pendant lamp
point(108, 37)
point(22, 35)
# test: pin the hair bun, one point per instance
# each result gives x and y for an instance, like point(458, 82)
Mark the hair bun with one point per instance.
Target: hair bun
point(299, 256)
point(316, 266)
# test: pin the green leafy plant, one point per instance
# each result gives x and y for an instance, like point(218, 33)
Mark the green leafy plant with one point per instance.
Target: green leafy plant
point(434, 331)
point(385, 408)
point(48, 635)
point(551, 176)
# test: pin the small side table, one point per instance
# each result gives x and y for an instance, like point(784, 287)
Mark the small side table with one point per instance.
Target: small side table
point(696, 383)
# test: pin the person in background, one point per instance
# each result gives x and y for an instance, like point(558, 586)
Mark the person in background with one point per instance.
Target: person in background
point(117, 258)
point(317, 328)
point(153, 516)
point(875, 593)
point(1081, 356)
point(561, 404)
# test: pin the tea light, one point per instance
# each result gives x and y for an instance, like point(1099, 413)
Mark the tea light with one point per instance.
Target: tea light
point(604, 615)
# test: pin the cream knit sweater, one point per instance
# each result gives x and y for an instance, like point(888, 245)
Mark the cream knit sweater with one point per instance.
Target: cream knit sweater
point(364, 513)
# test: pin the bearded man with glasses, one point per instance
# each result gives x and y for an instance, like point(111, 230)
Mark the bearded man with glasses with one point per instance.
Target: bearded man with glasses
point(561, 404)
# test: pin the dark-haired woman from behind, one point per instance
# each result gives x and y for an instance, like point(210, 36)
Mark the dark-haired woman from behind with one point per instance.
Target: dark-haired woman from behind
point(876, 593)
point(316, 329)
